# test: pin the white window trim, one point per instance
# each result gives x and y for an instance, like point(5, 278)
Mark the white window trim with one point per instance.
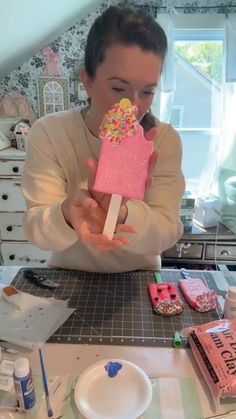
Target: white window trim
point(181, 109)
point(195, 32)
point(207, 21)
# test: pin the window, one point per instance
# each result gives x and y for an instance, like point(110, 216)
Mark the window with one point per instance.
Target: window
point(53, 97)
point(53, 94)
point(176, 116)
point(197, 97)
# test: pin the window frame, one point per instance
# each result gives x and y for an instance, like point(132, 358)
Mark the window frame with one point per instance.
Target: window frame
point(198, 35)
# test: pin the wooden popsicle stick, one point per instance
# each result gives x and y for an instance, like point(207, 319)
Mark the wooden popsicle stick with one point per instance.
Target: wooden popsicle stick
point(112, 215)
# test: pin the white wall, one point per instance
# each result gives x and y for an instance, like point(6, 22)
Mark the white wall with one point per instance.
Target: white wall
point(26, 26)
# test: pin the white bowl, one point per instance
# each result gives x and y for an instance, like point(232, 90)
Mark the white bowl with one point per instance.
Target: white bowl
point(113, 388)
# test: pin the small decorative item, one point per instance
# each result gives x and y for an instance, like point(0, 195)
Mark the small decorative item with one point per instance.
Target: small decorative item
point(52, 62)
point(82, 94)
point(19, 134)
point(80, 91)
point(13, 104)
point(53, 94)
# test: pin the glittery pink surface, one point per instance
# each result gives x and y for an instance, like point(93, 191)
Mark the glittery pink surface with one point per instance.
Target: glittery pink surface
point(198, 295)
point(123, 168)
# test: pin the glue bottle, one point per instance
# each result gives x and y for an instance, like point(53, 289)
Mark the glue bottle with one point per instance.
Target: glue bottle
point(24, 384)
point(230, 304)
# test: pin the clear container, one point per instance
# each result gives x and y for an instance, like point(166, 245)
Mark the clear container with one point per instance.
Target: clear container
point(206, 211)
point(230, 304)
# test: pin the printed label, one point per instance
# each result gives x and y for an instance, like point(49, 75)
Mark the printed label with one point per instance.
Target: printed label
point(6, 375)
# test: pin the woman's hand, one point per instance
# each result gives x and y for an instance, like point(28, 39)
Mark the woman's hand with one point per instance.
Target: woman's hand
point(101, 198)
point(87, 218)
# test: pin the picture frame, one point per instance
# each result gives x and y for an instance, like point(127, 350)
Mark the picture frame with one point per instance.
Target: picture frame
point(53, 94)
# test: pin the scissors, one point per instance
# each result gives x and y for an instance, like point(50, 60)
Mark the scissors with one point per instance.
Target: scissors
point(39, 280)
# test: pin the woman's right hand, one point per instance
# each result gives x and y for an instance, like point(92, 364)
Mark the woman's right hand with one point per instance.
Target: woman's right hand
point(87, 217)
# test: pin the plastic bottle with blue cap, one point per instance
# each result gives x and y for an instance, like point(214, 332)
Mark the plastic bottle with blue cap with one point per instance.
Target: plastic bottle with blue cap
point(24, 384)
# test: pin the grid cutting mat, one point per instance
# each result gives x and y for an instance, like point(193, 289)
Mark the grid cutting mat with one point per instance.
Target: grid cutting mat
point(114, 309)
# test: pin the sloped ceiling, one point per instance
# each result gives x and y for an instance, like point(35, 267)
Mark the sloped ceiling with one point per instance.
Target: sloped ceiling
point(26, 26)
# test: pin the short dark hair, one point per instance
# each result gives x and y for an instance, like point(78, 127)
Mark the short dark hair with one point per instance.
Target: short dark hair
point(123, 25)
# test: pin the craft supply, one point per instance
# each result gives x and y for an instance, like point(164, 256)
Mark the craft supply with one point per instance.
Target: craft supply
point(185, 273)
point(214, 348)
point(230, 304)
point(6, 375)
point(206, 211)
point(27, 320)
point(39, 280)
point(123, 163)
point(158, 278)
point(24, 384)
point(13, 409)
point(177, 343)
point(45, 385)
point(198, 295)
point(125, 293)
point(230, 413)
point(4, 348)
point(113, 388)
point(165, 299)
point(12, 295)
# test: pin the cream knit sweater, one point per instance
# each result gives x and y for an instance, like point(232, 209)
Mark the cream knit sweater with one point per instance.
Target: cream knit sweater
point(55, 166)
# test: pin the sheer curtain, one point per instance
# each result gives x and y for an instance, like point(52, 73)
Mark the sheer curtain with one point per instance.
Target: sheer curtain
point(219, 173)
point(226, 173)
point(163, 100)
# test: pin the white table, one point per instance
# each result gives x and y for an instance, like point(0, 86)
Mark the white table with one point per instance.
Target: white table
point(72, 359)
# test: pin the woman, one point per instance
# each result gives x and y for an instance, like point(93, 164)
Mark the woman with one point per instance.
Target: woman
point(123, 58)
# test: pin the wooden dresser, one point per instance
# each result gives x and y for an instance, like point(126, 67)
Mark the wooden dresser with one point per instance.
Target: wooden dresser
point(14, 248)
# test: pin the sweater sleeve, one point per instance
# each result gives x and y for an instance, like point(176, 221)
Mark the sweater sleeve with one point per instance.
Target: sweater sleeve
point(44, 189)
point(156, 220)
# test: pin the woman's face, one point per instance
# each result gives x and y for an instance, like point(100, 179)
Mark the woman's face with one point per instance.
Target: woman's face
point(127, 71)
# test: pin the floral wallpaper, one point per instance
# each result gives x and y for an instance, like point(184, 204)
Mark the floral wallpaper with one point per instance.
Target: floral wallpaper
point(70, 47)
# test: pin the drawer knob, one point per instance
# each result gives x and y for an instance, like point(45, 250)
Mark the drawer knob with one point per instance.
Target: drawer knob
point(9, 228)
point(12, 257)
point(4, 197)
point(15, 169)
point(224, 252)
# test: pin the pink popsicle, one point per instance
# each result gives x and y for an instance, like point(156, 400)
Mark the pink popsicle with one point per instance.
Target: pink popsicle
point(123, 168)
point(124, 158)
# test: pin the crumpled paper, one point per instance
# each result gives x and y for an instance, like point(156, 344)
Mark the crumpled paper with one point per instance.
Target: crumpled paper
point(34, 322)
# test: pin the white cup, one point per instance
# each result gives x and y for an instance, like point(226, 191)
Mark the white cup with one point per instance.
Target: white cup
point(21, 141)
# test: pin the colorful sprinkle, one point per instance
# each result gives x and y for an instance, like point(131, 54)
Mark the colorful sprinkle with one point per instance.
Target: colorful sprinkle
point(198, 295)
point(169, 308)
point(119, 122)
